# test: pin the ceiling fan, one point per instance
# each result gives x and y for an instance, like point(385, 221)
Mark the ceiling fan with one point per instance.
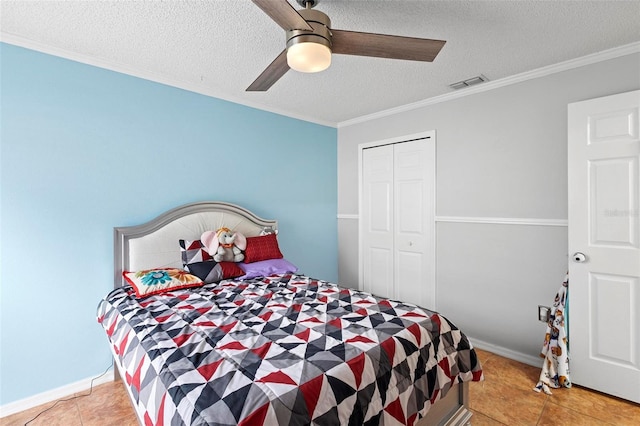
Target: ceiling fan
point(311, 40)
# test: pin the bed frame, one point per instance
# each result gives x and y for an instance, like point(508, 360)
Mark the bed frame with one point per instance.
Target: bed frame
point(155, 244)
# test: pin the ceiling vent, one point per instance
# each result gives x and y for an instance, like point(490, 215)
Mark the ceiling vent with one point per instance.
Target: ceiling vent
point(469, 82)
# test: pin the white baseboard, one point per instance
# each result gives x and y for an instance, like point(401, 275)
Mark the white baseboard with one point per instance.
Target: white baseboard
point(54, 394)
point(507, 353)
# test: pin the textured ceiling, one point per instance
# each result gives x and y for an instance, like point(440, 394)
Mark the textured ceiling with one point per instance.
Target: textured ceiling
point(218, 47)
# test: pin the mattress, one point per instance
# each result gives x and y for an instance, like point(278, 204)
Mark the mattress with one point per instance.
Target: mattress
point(285, 349)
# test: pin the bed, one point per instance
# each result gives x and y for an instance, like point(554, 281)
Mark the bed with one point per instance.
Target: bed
point(278, 348)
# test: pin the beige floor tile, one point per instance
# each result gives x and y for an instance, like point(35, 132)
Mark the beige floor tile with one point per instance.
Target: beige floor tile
point(511, 373)
point(555, 415)
point(107, 405)
point(480, 419)
point(507, 404)
point(600, 406)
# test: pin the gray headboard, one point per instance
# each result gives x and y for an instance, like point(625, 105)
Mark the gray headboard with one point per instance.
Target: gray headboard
point(155, 244)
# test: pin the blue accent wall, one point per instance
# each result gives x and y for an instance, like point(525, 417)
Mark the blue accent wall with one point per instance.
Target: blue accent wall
point(85, 149)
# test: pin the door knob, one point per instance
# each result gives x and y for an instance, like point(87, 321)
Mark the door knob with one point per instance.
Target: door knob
point(579, 257)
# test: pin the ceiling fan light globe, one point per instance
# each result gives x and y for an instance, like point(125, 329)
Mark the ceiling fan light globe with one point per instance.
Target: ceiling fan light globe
point(308, 57)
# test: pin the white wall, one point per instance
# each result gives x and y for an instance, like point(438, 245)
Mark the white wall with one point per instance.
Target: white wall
point(501, 153)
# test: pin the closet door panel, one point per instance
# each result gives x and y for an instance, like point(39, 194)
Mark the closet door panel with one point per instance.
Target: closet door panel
point(410, 267)
point(381, 271)
point(410, 227)
point(378, 220)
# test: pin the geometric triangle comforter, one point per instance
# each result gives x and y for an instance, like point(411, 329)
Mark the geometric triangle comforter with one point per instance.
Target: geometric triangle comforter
point(282, 350)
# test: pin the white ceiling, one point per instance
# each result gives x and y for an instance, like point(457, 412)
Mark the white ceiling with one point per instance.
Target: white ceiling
point(218, 47)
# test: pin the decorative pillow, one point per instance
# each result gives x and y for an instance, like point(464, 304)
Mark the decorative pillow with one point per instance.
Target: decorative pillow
point(155, 281)
point(264, 268)
point(264, 247)
point(197, 260)
point(213, 272)
point(193, 251)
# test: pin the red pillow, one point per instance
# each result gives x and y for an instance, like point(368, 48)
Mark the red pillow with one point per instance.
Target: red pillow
point(264, 247)
point(230, 270)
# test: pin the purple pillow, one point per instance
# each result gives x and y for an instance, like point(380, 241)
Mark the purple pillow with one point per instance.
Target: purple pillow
point(264, 268)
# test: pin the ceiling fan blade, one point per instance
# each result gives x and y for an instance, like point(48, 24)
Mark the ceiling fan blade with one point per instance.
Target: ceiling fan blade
point(385, 46)
point(283, 14)
point(271, 74)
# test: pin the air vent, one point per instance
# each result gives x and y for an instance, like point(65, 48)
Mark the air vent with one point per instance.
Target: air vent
point(469, 82)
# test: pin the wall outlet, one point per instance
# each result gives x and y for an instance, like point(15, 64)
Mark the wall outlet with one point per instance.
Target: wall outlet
point(544, 313)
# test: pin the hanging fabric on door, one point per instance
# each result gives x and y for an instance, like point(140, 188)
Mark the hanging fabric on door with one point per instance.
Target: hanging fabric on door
point(555, 369)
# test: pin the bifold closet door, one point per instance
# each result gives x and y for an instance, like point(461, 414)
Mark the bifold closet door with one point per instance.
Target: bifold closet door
point(412, 239)
point(378, 216)
point(398, 241)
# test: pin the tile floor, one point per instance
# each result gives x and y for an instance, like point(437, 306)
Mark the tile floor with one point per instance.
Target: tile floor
point(504, 398)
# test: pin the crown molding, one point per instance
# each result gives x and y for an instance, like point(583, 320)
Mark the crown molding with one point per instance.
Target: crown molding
point(147, 75)
point(593, 58)
point(616, 52)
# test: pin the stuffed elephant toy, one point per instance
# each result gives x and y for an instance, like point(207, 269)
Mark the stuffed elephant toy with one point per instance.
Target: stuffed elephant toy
point(225, 245)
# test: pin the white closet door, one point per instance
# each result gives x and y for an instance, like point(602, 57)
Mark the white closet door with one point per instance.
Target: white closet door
point(397, 231)
point(413, 240)
point(378, 220)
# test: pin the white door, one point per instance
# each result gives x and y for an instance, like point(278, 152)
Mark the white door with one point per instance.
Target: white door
point(377, 217)
point(604, 226)
point(414, 215)
point(397, 213)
